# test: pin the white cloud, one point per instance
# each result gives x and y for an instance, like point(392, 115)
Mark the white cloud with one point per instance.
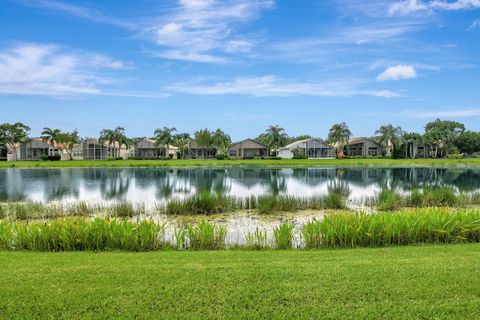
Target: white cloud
point(411, 6)
point(272, 86)
point(475, 25)
point(398, 72)
point(75, 10)
point(457, 113)
point(205, 31)
point(407, 7)
point(49, 70)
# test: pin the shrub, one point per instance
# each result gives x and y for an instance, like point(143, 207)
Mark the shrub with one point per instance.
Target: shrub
point(221, 156)
point(44, 157)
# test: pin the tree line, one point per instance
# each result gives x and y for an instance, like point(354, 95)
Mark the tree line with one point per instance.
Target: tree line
point(440, 137)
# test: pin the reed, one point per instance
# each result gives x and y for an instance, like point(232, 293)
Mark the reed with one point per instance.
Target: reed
point(433, 225)
point(127, 210)
point(203, 203)
point(389, 201)
point(256, 240)
point(283, 235)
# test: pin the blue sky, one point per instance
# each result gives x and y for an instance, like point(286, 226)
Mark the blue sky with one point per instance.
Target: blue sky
point(240, 65)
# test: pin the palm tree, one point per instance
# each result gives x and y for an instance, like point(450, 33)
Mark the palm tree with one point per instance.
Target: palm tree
point(389, 137)
point(339, 134)
point(221, 140)
point(411, 139)
point(164, 137)
point(203, 138)
point(277, 137)
point(116, 135)
point(180, 141)
point(50, 136)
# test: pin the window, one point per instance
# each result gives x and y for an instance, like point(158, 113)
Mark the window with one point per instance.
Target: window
point(233, 153)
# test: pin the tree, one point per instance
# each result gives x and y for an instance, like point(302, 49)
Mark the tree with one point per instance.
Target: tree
point(468, 142)
point(389, 137)
point(442, 134)
point(203, 138)
point(68, 140)
point(339, 134)
point(277, 137)
point(411, 141)
point(164, 137)
point(114, 136)
point(13, 134)
point(221, 140)
point(180, 140)
point(50, 136)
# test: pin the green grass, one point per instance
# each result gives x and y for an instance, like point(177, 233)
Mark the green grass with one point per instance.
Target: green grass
point(284, 163)
point(431, 282)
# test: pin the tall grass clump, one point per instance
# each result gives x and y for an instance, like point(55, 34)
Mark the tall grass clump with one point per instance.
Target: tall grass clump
point(284, 203)
point(202, 236)
point(256, 240)
point(202, 203)
point(283, 236)
point(341, 230)
point(389, 201)
point(80, 234)
point(436, 197)
point(127, 210)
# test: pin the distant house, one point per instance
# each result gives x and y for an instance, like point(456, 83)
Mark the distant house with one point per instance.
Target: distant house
point(362, 147)
point(198, 152)
point(310, 148)
point(92, 149)
point(148, 149)
point(3, 153)
point(247, 149)
point(33, 149)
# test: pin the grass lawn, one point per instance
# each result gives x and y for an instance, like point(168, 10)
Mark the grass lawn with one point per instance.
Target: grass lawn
point(431, 282)
point(284, 162)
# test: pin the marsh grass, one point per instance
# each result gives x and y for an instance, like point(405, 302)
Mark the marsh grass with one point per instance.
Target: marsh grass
point(201, 236)
point(283, 236)
point(389, 201)
point(203, 203)
point(127, 210)
point(342, 230)
point(256, 240)
point(271, 204)
point(80, 234)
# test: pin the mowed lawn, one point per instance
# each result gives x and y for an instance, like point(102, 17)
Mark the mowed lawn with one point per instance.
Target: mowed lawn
point(257, 162)
point(416, 282)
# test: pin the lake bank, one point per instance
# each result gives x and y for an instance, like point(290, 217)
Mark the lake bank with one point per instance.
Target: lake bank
point(259, 162)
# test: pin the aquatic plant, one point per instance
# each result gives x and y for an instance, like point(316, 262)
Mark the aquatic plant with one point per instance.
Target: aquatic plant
point(283, 235)
point(256, 240)
point(81, 234)
point(389, 201)
point(340, 230)
point(127, 210)
point(202, 203)
point(206, 236)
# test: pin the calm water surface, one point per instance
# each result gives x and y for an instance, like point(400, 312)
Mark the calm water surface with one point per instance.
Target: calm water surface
point(153, 185)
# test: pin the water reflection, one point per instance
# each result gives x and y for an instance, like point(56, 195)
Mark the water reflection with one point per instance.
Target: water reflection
point(157, 184)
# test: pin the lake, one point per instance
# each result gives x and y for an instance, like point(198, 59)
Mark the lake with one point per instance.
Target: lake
point(153, 185)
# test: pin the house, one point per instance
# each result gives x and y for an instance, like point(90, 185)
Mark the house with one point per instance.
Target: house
point(247, 149)
point(310, 148)
point(92, 149)
point(3, 153)
point(198, 152)
point(148, 149)
point(34, 149)
point(362, 147)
